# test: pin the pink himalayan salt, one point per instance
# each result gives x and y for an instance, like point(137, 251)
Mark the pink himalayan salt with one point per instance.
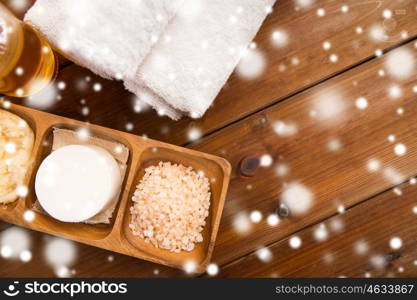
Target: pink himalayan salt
point(171, 203)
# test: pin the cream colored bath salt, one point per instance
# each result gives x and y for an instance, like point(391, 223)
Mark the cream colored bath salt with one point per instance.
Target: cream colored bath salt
point(16, 144)
point(171, 204)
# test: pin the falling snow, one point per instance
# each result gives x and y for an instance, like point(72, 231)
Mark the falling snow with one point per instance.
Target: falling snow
point(395, 243)
point(190, 267)
point(297, 197)
point(251, 65)
point(29, 216)
point(329, 105)
point(361, 247)
point(321, 233)
point(334, 145)
point(373, 165)
point(273, 220)
point(280, 38)
point(282, 169)
point(45, 99)
point(378, 261)
point(395, 91)
point(13, 241)
point(361, 103)
point(400, 149)
point(242, 223)
point(285, 129)
point(304, 3)
point(256, 216)
point(194, 134)
point(266, 160)
point(60, 254)
point(212, 269)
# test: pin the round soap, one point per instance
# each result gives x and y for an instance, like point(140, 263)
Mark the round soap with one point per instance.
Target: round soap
point(75, 183)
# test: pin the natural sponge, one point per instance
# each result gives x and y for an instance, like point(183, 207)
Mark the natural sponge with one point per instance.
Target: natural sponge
point(171, 204)
point(16, 143)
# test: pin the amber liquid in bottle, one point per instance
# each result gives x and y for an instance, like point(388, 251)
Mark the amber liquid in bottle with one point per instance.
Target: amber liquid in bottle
point(27, 62)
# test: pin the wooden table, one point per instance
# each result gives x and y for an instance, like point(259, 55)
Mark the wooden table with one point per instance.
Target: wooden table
point(303, 113)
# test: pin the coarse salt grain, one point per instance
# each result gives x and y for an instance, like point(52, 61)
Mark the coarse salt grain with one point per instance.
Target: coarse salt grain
point(171, 205)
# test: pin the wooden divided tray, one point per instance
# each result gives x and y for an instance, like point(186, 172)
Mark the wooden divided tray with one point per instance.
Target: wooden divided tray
point(117, 236)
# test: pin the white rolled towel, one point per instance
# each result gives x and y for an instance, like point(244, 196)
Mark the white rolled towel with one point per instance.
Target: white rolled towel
point(110, 37)
point(173, 54)
point(196, 54)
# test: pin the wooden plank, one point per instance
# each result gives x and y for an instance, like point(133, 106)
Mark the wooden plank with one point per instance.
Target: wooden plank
point(305, 60)
point(3, 225)
point(89, 262)
point(360, 247)
point(107, 111)
point(365, 234)
point(323, 149)
point(18, 8)
point(332, 143)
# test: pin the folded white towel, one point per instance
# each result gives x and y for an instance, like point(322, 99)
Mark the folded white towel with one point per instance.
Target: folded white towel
point(110, 37)
point(173, 54)
point(196, 54)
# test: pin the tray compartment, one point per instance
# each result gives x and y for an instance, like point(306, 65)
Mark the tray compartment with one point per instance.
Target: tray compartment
point(214, 171)
point(86, 231)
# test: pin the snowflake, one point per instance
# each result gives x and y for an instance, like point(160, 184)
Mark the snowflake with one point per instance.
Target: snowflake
point(272, 220)
point(29, 216)
point(25, 255)
point(400, 64)
point(327, 45)
point(400, 149)
point(280, 38)
point(59, 254)
point(19, 71)
point(282, 169)
point(241, 223)
point(361, 247)
point(256, 216)
point(361, 103)
point(97, 87)
point(334, 145)
point(285, 129)
point(189, 267)
point(321, 12)
point(297, 197)
point(373, 165)
point(395, 91)
point(194, 134)
point(14, 241)
point(44, 99)
point(212, 269)
point(320, 233)
point(266, 160)
point(264, 254)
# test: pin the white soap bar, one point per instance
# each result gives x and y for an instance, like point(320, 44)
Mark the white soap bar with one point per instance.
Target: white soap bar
point(75, 183)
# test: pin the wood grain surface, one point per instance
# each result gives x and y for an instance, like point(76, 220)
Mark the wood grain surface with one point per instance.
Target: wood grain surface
point(117, 236)
point(320, 141)
point(354, 244)
point(298, 127)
